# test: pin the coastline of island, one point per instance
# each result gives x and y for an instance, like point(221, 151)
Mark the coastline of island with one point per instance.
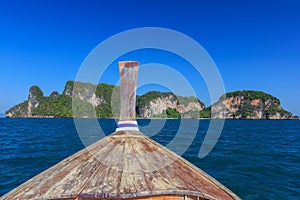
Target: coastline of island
point(95, 101)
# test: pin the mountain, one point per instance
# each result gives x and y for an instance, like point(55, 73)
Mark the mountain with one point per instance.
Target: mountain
point(2, 115)
point(102, 100)
point(248, 104)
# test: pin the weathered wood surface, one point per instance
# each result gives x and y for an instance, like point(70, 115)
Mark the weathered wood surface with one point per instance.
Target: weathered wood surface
point(128, 78)
point(163, 197)
point(126, 164)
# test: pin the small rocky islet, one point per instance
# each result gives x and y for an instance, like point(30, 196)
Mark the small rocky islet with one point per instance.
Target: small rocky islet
point(103, 101)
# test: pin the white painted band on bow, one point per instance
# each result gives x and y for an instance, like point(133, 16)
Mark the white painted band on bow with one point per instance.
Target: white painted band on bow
point(127, 125)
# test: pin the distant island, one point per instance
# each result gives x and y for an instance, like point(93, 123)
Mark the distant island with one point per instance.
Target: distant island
point(154, 104)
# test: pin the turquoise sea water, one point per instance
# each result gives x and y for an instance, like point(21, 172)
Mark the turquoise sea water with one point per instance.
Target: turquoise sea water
point(256, 159)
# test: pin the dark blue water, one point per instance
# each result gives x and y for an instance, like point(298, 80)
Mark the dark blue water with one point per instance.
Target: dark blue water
point(255, 159)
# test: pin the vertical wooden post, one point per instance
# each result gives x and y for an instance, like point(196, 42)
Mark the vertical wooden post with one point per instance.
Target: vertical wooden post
point(128, 79)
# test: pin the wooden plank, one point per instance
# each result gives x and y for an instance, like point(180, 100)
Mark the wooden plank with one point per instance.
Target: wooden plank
point(128, 78)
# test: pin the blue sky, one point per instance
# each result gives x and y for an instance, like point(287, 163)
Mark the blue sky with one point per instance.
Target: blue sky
point(255, 44)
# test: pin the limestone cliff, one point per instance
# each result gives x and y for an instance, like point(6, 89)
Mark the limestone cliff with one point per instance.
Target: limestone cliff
point(104, 100)
point(85, 92)
point(155, 104)
point(26, 108)
point(34, 99)
point(249, 105)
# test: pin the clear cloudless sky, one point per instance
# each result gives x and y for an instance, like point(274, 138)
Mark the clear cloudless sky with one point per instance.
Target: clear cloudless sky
point(254, 43)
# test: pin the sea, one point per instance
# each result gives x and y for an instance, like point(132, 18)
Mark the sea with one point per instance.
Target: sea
point(256, 159)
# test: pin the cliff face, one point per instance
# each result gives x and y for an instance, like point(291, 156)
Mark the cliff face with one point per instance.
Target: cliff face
point(34, 99)
point(26, 108)
point(249, 105)
point(105, 100)
point(85, 92)
point(154, 104)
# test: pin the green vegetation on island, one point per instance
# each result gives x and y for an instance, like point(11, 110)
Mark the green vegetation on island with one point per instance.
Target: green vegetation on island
point(103, 100)
point(169, 113)
point(205, 113)
point(60, 106)
point(251, 95)
point(19, 110)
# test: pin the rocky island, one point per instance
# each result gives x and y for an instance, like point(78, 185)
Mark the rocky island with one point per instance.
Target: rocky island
point(103, 101)
point(248, 104)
